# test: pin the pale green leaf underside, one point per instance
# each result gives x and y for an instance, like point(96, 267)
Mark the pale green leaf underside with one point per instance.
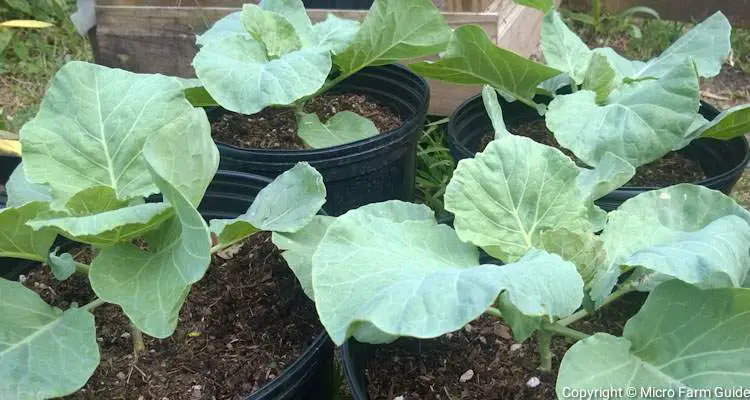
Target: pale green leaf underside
point(394, 31)
point(414, 277)
point(522, 325)
point(585, 250)
point(492, 105)
point(229, 26)
point(683, 337)
point(335, 34)
point(729, 124)
point(563, 49)
point(639, 123)
point(240, 77)
point(21, 191)
point(20, 241)
point(611, 173)
point(472, 58)
point(92, 126)
point(294, 12)
point(62, 266)
point(298, 249)
point(508, 194)
point(44, 352)
point(273, 30)
point(342, 128)
point(600, 78)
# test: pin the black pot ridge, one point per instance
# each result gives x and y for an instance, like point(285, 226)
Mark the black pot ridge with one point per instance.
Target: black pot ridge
point(723, 161)
point(376, 169)
point(7, 165)
point(230, 194)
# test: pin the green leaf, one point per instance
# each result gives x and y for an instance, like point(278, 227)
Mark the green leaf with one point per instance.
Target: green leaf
point(286, 205)
point(273, 30)
point(21, 191)
point(585, 250)
point(20, 241)
point(729, 124)
point(92, 126)
point(335, 33)
point(542, 5)
point(473, 59)
point(199, 97)
point(563, 49)
point(264, 81)
point(294, 11)
point(62, 266)
point(611, 173)
point(298, 249)
point(20, 5)
point(682, 338)
point(522, 325)
point(227, 27)
point(395, 31)
point(342, 128)
point(415, 277)
point(680, 231)
point(639, 122)
point(151, 285)
point(96, 217)
point(508, 194)
point(44, 352)
point(600, 78)
point(492, 105)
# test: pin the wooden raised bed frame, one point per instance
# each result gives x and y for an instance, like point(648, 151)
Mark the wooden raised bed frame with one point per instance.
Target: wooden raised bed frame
point(158, 36)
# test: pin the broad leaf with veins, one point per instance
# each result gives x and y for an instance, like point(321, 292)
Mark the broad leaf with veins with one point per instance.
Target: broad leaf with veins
point(563, 49)
point(343, 127)
point(20, 241)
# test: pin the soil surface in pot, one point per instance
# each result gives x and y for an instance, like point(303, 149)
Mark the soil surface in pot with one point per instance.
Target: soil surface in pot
point(276, 127)
point(501, 369)
point(243, 323)
point(669, 170)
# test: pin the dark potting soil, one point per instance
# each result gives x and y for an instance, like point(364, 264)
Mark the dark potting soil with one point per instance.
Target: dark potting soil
point(276, 127)
point(669, 170)
point(242, 325)
point(501, 369)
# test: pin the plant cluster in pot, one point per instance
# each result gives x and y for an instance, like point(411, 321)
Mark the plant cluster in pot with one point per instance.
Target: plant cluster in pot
point(421, 317)
point(600, 107)
point(329, 93)
point(124, 168)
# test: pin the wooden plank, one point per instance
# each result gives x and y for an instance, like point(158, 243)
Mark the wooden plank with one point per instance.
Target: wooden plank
point(519, 27)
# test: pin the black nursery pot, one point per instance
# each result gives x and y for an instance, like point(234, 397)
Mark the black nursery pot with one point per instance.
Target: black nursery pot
point(339, 4)
point(371, 170)
point(723, 161)
point(7, 165)
point(230, 194)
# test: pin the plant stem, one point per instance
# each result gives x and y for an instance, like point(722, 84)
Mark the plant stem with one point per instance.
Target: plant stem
point(494, 312)
point(139, 347)
point(545, 352)
point(581, 314)
point(94, 304)
point(82, 268)
point(561, 330)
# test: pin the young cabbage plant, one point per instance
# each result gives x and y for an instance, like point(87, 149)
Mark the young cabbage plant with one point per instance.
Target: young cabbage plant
point(104, 140)
point(271, 54)
point(389, 269)
point(638, 111)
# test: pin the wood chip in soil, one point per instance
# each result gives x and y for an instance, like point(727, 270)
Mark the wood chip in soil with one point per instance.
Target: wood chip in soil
point(243, 323)
point(500, 368)
point(276, 127)
point(669, 170)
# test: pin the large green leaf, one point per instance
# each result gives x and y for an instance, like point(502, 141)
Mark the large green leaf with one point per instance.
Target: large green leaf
point(92, 126)
point(342, 128)
point(585, 250)
point(286, 205)
point(21, 191)
point(298, 249)
point(611, 173)
point(683, 338)
point(679, 231)
point(408, 276)
point(294, 11)
point(729, 124)
point(394, 31)
point(44, 352)
point(600, 78)
point(229, 26)
point(151, 285)
point(20, 241)
point(563, 49)
point(239, 76)
point(495, 112)
point(639, 122)
point(335, 33)
point(707, 44)
point(96, 217)
point(273, 30)
point(472, 58)
point(542, 5)
point(508, 194)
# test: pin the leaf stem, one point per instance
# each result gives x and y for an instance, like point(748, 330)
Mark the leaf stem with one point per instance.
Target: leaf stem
point(581, 314)
point(556, 328)
point(94, 304)
point(545, 351)
point(82, 268)
point(139, 347)
point(494, 312)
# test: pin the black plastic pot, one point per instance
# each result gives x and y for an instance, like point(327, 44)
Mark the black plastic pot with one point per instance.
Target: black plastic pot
point(372, 170)
point(339, 4)
point(311, 377)
point(7, 165)
point(723, 161)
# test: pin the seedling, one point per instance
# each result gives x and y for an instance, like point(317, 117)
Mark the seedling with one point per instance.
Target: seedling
point(103, 141)
point(271, 54)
